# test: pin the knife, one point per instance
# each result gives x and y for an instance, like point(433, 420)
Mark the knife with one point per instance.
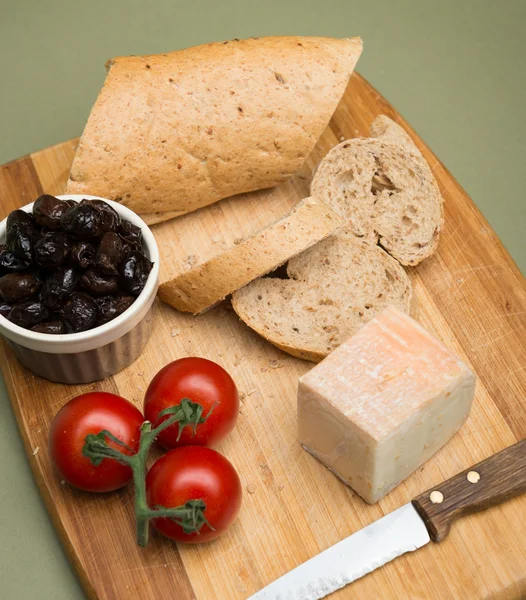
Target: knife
point(427, 517)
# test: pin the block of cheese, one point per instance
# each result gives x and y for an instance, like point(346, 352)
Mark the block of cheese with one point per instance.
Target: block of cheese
point(383, 403)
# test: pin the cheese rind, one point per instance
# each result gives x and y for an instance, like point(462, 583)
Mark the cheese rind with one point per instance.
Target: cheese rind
point(383, 403)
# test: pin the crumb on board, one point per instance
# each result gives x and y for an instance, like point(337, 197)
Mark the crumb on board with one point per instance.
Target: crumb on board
point(251, 488)
point(238, 241)
point(175, 331)
point(190, 261)
point(250, 392)
point(35, 451)
point(263, 369)
point(216, 239)
point(242, 397)
point(276, 364)
point(240, 586)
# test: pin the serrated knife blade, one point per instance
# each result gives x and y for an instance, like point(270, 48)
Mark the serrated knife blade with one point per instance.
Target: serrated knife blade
point(429, 516)
point(362, 552)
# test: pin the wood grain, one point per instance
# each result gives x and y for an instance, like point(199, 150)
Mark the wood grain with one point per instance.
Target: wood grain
point(471, 296)
point(486, 484)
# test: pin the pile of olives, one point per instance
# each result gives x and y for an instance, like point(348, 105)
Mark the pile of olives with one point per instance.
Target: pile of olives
point(69, 266)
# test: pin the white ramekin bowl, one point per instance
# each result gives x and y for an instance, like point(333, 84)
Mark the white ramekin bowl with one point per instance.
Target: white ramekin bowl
point(99, 352)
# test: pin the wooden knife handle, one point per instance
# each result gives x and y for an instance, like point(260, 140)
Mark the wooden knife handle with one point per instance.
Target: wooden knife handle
point(490, 482)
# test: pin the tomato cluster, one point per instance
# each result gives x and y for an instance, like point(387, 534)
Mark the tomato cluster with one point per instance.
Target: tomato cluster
point(203, 400)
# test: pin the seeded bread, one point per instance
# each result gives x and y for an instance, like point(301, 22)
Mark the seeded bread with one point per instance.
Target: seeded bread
point(383, 187)
point(203, 286)
point(334, 287)
point(171, 133)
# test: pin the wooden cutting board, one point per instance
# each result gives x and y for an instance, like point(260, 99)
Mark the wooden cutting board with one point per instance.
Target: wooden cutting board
point(471, 295)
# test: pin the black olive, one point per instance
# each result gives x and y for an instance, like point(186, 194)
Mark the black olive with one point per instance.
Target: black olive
point(109, 254)
point(21, 234)
point(83, 254)
point(84, 221)
point(134, 271)
point(16, 287)
point(131, 236)
point(10, 262)
point(129, 248)
point(80, 312)
point(42, 231)
point(130, 232)
point(62, 246)
point(98, 284)
point(110, 219)
point(5, 308)
point(53, 327)
point(112, 306)
point(29, 313)
point(48, 210)
point(20, 217)
point(51, 250)
point(58, 286)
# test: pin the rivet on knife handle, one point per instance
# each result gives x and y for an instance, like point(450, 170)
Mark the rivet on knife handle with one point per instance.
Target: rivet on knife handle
point(490, 482)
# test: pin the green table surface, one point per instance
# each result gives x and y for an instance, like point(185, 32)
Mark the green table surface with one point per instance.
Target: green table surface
point(453, 68)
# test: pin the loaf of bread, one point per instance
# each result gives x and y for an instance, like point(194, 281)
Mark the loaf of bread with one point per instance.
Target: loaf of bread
point(171, 133)
point(203, 286)
point(383, 187)
point(333, 288)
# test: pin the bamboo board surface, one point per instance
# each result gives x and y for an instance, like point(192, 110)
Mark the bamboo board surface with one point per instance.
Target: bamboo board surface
point(470, 295)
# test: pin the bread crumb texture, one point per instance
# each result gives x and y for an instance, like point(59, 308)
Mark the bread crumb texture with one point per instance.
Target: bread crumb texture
point(333, 288)
point(383, 187)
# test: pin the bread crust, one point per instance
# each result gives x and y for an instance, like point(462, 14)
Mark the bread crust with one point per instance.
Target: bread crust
point(198, 289)
point(334, 287)
point(170, 133)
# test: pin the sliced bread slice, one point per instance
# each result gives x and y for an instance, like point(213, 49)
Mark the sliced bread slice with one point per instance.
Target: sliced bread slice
point(383, 187)
point(334, 288)
point(208, 283)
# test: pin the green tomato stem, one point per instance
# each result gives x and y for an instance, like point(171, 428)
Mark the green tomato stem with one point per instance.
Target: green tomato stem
point(189, 516)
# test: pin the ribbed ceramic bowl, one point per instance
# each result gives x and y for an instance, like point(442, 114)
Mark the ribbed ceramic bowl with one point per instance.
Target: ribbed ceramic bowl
point(99, 352)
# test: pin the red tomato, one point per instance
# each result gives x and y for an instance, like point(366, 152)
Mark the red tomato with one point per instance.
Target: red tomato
point(201, 381)
point(92, 413)
point(194, 473)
